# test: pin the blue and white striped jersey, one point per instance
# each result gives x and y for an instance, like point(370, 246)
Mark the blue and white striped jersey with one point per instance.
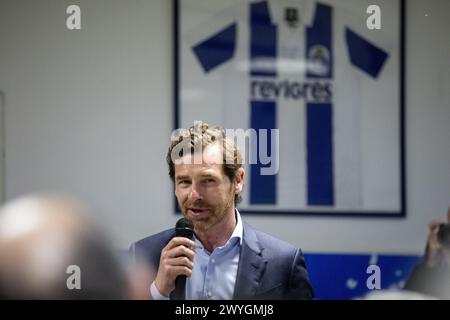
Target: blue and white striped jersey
point(326, 82)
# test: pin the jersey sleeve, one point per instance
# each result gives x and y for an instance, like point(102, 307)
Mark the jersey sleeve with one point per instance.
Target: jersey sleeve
point(212, 40)
point(217, 49)
point(369, 50)
point(363, 54)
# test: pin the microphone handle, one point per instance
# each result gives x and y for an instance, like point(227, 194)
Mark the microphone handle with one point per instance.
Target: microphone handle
point(180, 281)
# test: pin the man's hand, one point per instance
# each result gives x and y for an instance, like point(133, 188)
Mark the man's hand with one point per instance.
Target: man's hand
point(177, 258)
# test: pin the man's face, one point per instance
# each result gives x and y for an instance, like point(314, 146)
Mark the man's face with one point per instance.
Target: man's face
point(205, 194)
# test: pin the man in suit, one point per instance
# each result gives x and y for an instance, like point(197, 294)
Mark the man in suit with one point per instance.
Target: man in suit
point(227, 258)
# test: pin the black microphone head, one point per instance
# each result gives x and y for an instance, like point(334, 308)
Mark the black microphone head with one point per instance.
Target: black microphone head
point(184, 228)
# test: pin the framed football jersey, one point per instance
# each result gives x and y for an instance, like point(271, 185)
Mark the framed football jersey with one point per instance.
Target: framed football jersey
point(314, 86)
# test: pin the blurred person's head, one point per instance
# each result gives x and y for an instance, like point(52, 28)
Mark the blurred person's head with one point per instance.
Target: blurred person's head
point(49, 249)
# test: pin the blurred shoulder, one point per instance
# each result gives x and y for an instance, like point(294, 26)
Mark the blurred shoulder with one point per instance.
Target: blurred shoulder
point(161, 238)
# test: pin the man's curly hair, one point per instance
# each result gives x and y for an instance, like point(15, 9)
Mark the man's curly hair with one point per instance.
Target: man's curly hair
point(198, 137)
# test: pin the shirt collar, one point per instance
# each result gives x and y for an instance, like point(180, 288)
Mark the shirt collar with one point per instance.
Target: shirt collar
point(239, 229)
point(306, 9)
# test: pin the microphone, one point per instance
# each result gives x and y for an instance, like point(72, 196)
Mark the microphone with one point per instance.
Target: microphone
point(183, 228)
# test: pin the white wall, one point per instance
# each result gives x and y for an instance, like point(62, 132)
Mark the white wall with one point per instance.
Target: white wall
point(89, 113)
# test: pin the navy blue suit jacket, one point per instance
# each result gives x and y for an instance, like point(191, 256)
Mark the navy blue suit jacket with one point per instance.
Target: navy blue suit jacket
point(268, 268)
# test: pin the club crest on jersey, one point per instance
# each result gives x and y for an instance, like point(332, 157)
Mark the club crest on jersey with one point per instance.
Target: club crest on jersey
point(319, 60)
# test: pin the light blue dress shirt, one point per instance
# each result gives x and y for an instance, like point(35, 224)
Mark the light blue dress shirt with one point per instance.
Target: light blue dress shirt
point(214, 273)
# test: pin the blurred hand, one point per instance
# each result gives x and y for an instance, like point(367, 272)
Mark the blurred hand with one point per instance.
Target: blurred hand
point(434, 249)
point(140, 277)
point(446, 251)
point(177, 258)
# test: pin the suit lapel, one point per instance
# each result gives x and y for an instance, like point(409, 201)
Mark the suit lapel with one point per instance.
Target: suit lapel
point(251, 266)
